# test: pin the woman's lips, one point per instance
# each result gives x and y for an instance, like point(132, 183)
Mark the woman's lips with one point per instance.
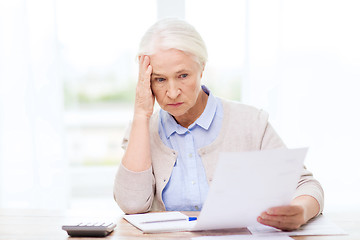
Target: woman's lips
point(175, 104)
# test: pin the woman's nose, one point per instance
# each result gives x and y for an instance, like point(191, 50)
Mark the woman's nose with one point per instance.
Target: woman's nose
point(173, 91)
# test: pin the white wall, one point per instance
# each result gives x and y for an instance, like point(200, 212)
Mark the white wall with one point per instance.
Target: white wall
point(304, 69)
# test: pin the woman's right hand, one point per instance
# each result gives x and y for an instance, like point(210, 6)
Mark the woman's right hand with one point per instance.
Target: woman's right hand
point(139, 138)
point(144, 100)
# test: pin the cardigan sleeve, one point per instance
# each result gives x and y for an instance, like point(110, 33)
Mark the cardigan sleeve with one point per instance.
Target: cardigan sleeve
point(307, 184)
point(133, 191)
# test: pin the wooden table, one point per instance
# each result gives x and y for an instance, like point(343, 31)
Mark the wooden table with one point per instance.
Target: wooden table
point(40, 224)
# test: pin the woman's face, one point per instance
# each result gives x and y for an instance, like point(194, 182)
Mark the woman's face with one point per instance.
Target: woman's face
point(175, 82)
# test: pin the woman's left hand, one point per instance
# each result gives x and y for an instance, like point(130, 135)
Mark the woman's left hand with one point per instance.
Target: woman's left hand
point(291, 217)
point(286, 218)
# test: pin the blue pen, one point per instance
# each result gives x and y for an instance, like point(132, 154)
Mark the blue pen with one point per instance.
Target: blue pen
point(170, 220)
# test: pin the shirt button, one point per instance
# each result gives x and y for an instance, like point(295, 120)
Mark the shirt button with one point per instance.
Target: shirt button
point(190, 155)
point(196, 207)
point(193, 182)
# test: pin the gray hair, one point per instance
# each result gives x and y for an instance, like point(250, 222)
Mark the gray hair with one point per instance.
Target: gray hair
point(172, 33)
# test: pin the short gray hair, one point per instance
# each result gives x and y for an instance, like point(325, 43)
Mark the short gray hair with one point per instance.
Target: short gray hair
point(172, 33)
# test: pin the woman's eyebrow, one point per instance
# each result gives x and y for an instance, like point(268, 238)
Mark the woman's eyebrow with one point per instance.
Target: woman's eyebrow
point(156, 74)
point(177, 72)
point(181, 71)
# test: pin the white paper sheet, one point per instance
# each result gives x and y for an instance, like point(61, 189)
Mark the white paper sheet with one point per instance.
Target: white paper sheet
point(243, 237)
point(160, 222)
point(244, 185)
point(317, 226)
point(247, 183)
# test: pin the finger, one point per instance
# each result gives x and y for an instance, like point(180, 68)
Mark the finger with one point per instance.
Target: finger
point(144, 67)
point(144, 61)
point(281, 221)
point(148, 71)
point(283, 225)
point(141, 60)
point(269, 217)
point(145, 80)
point(284, 210)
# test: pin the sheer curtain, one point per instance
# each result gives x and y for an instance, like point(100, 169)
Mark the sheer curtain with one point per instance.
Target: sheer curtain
point(303, 68)
point(32, 163)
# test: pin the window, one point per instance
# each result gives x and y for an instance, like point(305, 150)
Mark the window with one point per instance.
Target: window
point(98, 43)
point(222, 27)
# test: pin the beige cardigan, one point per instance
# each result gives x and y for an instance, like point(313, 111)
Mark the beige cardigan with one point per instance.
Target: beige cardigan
point(244, 128)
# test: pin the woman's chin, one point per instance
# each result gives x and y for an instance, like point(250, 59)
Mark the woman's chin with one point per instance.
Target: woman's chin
point(175, 112)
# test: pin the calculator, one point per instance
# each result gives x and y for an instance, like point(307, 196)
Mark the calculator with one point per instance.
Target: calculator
point(90, 229)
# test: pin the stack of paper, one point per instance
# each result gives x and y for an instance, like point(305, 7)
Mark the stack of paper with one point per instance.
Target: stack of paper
point(176, 221)
point(317, 226)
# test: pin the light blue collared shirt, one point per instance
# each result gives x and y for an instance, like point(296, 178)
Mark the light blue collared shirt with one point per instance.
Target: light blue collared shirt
point(187, 187)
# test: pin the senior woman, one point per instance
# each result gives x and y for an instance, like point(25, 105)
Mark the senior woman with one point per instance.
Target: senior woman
point(171, 154)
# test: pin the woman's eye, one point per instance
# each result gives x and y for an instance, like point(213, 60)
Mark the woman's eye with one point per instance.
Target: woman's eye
point(183, 75)
point(160, 79)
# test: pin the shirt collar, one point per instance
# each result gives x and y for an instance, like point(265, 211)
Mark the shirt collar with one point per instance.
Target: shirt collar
point(204, 121)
